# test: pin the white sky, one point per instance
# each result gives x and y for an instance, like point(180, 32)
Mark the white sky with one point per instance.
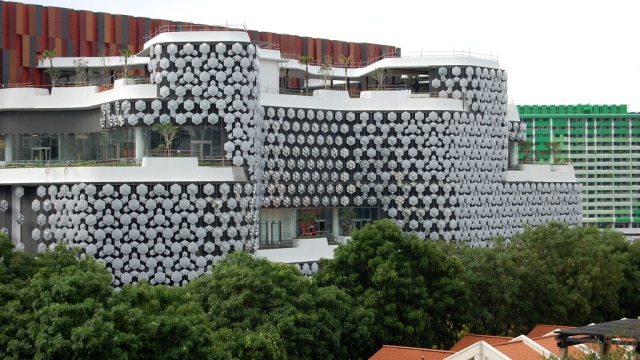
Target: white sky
point(555, 51)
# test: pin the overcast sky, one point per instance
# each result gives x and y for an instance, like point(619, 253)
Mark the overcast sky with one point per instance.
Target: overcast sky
point(556, 52)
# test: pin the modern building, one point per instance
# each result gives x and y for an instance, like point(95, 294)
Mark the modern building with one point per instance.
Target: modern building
point(603, 144)
point(429, 142)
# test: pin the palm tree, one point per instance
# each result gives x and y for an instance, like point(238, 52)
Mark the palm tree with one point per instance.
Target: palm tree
point(54, 73)
point(345, 60)
point(306, 60)
point(126, 54)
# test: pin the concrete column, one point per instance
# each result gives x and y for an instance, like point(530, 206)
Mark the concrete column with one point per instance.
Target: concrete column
point(15, 209)
point(8, 148)
point(140, 144)
point(335, 222)
point(513, 154)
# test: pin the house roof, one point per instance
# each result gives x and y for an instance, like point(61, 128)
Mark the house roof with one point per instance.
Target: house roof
point(542, 330)
point(518, 350)
point(390, 352)
point(470, 339)
point(548, 342)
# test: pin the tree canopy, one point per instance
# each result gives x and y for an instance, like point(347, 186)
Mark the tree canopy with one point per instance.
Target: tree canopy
point(414, 288)
point(383, 287)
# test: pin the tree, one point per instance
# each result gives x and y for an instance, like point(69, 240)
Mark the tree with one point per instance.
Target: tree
point(526, 149)
point(326, 70)
point(589, 265)
point(306, 60)
point(272, 309)
point(54, 73)
point(511, 290)
point(168, 132)
point(414, 288)
point(347, 216)
point(82, 71)
point(379, 75)
point(306, 220)
point(65, 294)
point(105, 70)
point(553, 149)
point(345, 60)
point(125, 57)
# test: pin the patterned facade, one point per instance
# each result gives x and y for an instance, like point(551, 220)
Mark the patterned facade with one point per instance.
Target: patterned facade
point(26, 31)
point(437, 157)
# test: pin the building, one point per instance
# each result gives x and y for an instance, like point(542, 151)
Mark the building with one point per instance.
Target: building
point(603, 144)
point(429, 142)
point(615, 339)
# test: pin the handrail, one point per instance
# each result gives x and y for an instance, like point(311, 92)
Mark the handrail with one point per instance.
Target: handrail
point(17, 85)
point(192, 27)
point(352, 64)
point(394, 54)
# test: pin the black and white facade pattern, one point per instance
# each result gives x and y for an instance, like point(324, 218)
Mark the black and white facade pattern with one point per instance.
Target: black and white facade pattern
point(439, 173)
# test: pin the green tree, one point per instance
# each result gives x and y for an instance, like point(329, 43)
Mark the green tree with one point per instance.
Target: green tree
point(379, 75)
point(274, 310)
point(345, 60)
point(326, 70)
point(82, 71)
point(511, 290)
point(414, 288)
point(168, 131)
point(526, 149)
point(347, 217)
point(64, 295)
point(125, 57)
point(54, 73)
point(588, 263)
point(306, 60)
point(553, 149)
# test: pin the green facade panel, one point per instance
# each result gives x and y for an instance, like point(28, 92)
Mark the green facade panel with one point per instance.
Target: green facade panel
point(603, 144)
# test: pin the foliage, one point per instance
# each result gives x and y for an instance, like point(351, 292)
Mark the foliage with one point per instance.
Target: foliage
point(326, 70)
point(553, 149)
point(347, 216)
point(379, 75)
point(511, 289)
point(168, 132)
point(125, 57)
point(345, 60)
point(526, 149)
point(105, 69)
point(414, 288)
point(306, 220)
point(53, 73)
point(552, 274)
point(383, 287)
point(306, 60)
point(278, 312)
point(82, 70)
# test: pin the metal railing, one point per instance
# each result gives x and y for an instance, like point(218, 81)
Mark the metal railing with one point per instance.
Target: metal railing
point(193, 27)
point(17, 85)
point(337, 65)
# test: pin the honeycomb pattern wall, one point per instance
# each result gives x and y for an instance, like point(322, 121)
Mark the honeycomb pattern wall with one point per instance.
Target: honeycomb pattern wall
point(163, 233)
point(202, 84)
point(440, 174)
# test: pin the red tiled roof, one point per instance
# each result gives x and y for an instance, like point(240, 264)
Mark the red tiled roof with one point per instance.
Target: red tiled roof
point(470, 339)
point(542, 330)
point(518, 350)
point(390, 352)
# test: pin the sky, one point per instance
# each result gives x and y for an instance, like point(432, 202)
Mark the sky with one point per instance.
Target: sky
point(555, 52)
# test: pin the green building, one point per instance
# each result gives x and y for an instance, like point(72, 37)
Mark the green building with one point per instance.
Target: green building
point(603, 144)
